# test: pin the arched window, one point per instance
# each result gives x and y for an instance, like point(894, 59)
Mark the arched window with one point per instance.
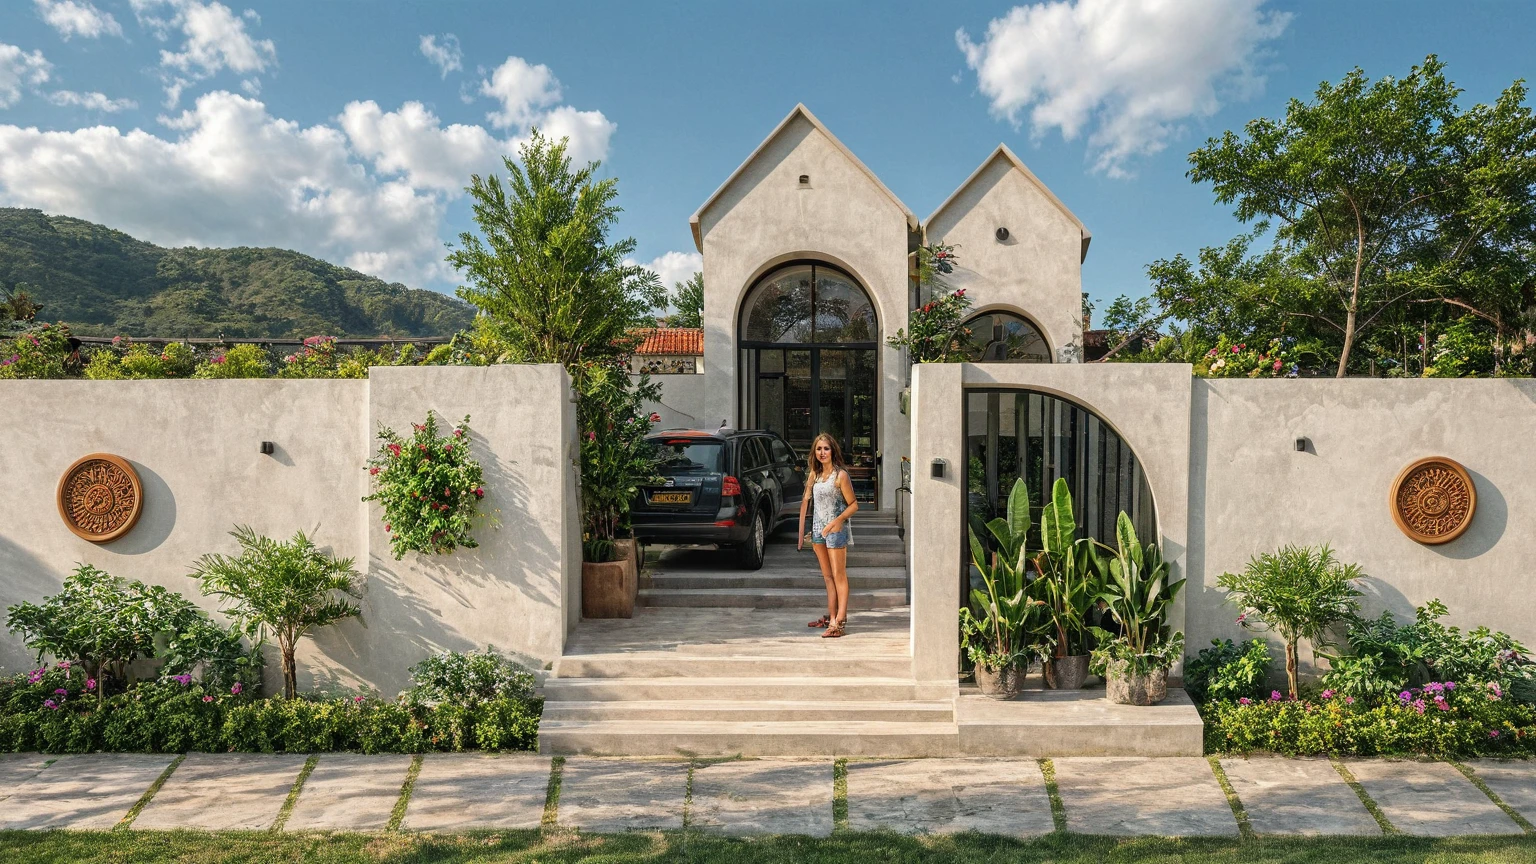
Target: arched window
point(805, 304)
point(1003, 337)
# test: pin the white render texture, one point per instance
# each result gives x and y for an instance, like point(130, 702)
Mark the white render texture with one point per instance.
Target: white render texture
point(196, 448)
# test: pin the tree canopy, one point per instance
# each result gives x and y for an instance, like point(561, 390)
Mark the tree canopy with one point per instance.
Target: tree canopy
point(688, 300)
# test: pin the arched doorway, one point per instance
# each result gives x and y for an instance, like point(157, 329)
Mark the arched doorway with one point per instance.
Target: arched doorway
point(1003, 337)
point(809, 339)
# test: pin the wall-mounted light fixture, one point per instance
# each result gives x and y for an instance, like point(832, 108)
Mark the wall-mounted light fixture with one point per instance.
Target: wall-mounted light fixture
point(1301, 445)
point(1002, 235)
point(805, 179)
point(268, 448)
point(936, 469)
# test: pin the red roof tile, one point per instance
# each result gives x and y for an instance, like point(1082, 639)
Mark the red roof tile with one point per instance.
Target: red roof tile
point(672, 341)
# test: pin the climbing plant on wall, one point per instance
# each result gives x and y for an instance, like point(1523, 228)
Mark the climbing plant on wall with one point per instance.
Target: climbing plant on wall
point(430, 488)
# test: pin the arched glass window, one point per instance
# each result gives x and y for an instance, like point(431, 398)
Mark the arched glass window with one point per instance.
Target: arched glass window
point(808, 303)
point(1002, 337)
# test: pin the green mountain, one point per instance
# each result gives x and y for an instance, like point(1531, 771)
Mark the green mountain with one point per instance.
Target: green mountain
point(104, 283)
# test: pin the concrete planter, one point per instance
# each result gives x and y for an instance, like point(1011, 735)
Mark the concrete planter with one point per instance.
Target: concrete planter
point(1066, 673)
point(1004, 683)
point(1129, 688)
point(609, 588)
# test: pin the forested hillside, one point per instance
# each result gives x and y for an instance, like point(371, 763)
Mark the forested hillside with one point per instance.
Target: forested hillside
point(105, 283)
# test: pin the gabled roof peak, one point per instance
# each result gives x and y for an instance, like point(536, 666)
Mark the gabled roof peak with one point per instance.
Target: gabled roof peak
point(1002, 152)
point(798, 111)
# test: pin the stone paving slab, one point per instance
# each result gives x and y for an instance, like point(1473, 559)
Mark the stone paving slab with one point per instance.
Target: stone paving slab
point(93, 791)
point(349, 792)
point(922, 796)
point(223, 792)
point(763, 797)
point(18, 768)
point(612, 795)
point(1297, 797)
point(1171, 797)
point(461, 791)
point(1430, 799)
point(1514, 781)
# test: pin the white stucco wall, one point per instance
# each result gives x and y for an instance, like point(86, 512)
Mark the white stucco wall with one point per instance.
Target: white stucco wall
point(683, 403)
point(764, 218)
point(1037, 271)
point(196, 448)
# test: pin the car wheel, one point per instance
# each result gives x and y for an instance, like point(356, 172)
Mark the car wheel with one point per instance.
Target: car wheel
point(750, 556)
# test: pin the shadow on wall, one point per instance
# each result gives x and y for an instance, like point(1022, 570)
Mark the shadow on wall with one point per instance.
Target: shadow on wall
point(27, 579)
point(1488, 522)
point(156, 521)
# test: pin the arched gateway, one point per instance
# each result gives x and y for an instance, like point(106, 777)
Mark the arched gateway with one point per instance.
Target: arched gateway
point(809, 340)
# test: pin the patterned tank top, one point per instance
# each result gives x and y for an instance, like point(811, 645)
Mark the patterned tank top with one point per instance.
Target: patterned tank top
point(827, 502)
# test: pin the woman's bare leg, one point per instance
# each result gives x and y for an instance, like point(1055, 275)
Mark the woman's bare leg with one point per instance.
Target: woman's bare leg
point(839, 562)
point(823, 557)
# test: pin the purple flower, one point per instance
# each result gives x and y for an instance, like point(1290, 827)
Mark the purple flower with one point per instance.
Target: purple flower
point(49, 703)
point(1418, 705)
point(1327, 694)
point(61, 692)
point(90, 683)
point(235, 690)
point(1274, 696)
point(1450, 685)
point(183, 680)
point(1405, 697)
point(1493, 733)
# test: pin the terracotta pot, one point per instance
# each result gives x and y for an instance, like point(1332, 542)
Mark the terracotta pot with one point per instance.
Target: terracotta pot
point(1125, 687)
point(1004, 683)
point(1066, 673)
point(609, 589)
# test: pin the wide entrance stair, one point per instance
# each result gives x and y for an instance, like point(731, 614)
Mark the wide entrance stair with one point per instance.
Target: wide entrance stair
point(719, 661)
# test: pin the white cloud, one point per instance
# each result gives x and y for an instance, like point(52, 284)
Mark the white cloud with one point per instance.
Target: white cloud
point(78, 18)
point(444, 54)
point(675, 267)
point(522, 89)
point(589, 132)
point(19, 69)
point(1126, 71)
point(214, 39)
point(91, 101)
point(413, 142)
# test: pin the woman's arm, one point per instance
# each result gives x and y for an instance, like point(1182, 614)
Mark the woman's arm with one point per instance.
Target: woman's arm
point(845, 486)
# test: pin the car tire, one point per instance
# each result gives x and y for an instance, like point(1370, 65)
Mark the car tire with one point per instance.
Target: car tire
point(750, 554)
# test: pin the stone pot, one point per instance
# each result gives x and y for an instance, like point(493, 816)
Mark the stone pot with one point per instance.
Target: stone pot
point(1004, 683)
point(1125, 687)
point(609, 588)
point(628, 549)
point(1066, 673)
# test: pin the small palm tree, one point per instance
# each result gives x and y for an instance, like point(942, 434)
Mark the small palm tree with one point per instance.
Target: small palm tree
point(284, 589)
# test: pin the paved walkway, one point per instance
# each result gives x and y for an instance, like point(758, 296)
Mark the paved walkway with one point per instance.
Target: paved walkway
point(1020, 797)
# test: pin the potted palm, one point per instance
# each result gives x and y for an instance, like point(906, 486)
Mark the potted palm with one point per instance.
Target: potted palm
point(1137, 593)
point(1067, 583)
point(1002, 622)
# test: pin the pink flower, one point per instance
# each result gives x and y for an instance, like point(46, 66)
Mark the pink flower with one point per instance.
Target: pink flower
point(49, 703)
point(447, 448)
point(1277, 366)
point(1245, 701)
point(591, 436)
point(1243, 617)
point(458, 433)
point(1274, 696)
point(90, 683)
point(207, 698)
point(235, 690)
point(1493, 733)
point(61, 692)
point(1327, 694)
point(479, 492)
point(393, 448)
point(219, 359)
point(655, 418)
point(1349, 700)
point(961, 292)
point(357, 700)
point(373, 470)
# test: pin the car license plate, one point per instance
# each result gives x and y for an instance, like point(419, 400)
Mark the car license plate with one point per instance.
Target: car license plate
point(672, 497)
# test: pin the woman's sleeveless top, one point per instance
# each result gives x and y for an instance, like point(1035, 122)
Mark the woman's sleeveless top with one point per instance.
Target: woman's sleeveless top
point(826, 502)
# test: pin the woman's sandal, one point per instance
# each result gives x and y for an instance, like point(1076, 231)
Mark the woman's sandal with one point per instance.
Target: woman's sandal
point(834, 631)
point(823, 621)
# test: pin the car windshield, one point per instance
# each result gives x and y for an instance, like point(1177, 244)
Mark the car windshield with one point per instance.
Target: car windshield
point(690, 455)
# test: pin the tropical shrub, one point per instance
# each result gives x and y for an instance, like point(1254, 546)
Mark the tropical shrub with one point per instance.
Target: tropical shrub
point(1227, 671)
point(429, 486)
point(127, 360)
point(467, 678)
point(1002, 626)
point(1298, 591)
point(1228, 359)
point(1067, 572)
point(1137, 594)
point(282, 589)
point(615, 457)
point(241, 361)
point(42, 351)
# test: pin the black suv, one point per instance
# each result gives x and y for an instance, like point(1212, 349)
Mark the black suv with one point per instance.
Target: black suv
point(729, 488)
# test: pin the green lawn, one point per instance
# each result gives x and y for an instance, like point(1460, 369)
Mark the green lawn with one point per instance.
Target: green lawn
point(557, 847)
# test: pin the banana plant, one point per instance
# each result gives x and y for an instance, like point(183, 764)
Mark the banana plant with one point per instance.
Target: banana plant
point(1137, 591)
point(1068, 569)
point(1006, 616)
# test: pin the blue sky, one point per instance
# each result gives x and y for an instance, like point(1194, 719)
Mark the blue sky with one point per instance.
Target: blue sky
point(325, 126)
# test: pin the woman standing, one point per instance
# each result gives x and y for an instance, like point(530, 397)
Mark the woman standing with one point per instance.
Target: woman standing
point(829, 494)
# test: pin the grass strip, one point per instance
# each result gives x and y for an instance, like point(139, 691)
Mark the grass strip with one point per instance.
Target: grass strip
point(397, 815)
point(293, 794)
point(840, 795)
point(688, 795)
point(1365, 798)
point(1058, 809)
point(1467, 772)
point(1239, 812)
point(127, 821)
point(552, 793)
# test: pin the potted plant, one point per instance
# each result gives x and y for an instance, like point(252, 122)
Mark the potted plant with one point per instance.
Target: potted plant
point(1137, 593)
point(1000, 625)
point(1067, 582)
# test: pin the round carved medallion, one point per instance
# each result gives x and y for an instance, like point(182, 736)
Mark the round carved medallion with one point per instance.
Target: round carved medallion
point(1433, 500)
point(100, 497)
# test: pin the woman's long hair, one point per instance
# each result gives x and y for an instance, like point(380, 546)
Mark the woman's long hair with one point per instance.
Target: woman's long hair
point(814, 466)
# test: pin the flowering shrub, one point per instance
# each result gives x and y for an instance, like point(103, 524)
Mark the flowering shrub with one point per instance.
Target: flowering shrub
point(1438, 719)
point(241, 361)
point(429, 486)
point(126, 360)
point(467, 678)
point(39, 352)
point(1227, 671)
point(321, 358)
point(1240, 360)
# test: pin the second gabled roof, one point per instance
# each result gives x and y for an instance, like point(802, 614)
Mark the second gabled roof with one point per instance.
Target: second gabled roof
point(801, 111)
point(1002, 152)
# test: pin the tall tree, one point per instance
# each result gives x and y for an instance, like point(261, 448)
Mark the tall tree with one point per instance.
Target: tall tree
point(545, 275)
point(688, 300)
point(1385, 193)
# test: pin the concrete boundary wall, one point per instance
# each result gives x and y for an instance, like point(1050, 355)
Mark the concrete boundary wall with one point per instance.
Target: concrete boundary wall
point(196, 447)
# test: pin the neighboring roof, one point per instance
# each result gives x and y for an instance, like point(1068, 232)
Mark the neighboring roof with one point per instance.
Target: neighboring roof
point(1002, 152)
point(671, 341)
point(801, 111)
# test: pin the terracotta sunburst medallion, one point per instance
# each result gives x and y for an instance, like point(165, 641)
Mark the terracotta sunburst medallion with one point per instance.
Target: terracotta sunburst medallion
point(100, 497)
point(1433, 500)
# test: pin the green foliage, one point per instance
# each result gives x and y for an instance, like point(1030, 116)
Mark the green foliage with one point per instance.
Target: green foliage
point(321, 358)
point(1227, 671)
point(1464, 350)
point(468, 678)
point(38, 352)
point(429, 486)
point(104, 282)
point(1443, 720)
point(1067, 569)
point(241, 361)
point(542, 270)
point(125, 360)
point(1297, 591)
point(934, 332)
point(1239, 360)
point(284, 589)
point(480, 345)
point(615, 457)
point(1137, 593)
point(688, 300)
point(999, 625)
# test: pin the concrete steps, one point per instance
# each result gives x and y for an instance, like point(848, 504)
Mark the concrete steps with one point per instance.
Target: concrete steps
point(770, 598)
point(643, 665)
point(718, 710)
point(779, 577)
point(830, 689)
point(735, 737)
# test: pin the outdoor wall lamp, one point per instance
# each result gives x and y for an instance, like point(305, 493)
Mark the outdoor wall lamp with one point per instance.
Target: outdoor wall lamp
point(1002, 235)
point(936, 469)
point(805, 179)
point(1301, 445)
point(268, 448)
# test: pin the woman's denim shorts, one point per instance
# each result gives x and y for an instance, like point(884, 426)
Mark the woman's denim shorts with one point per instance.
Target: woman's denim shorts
point(835, 540)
